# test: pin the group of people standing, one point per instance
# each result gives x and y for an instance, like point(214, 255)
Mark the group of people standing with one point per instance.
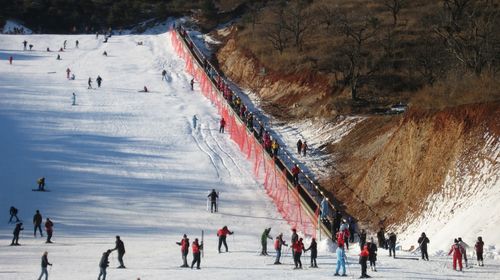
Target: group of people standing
point(37, 226)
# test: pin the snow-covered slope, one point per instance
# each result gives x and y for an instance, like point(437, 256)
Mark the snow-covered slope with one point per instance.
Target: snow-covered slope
point(129, 163)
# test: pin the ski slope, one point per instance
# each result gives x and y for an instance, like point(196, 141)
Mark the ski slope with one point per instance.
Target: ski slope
point(129, 163)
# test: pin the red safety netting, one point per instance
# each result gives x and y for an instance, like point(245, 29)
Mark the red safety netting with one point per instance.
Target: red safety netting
point(286, 198)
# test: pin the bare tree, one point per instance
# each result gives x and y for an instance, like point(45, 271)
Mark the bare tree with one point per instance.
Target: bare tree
point(275, 28)
point(430, 60)
point(297, 21)
point(395, 6)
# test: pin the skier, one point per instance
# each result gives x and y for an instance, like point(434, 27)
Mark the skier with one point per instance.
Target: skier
point(363, 257)
point(222, 233)
point(73, 99)
point(295, 174)
point(464, 247)
point(184, 249)
point(37, 222)
point(103, 264)
point(392, 244)
point(64, 44)
point(13, 213)
point(352, 229)
point(336, 221)
point(479, 251)
point(49, 229)
point(297, 249)
point(457, 251)
point(58, 57)
point(222, 125)
point(192, 84)
point(17, 230)
point(89, 83)
point(299, 146)
point(423, 241)
point(313, 247)
point(68, 71)
point(344, 229)
point(362, 239)
point(196, 253)
point(194, 121)
point(45, 262)
point(263, 240)
point(120, 247)
point(295, 238)
point(304, 148)
point(213, 196)
point(25, 43)
point(341, 258)
point(381, 238)
point(76, 44)
point(31, 46)
point(372, 256)
point(72, 77)
point(278, 243)
point(105, 53)
point(98, 80)
point(10, 59)
point(41, 184)
point(164, 75)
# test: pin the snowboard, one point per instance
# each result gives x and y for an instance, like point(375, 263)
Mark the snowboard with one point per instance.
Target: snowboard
point(37, 190)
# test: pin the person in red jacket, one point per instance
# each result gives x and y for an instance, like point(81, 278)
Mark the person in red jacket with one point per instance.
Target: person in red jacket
point(196, 247)
point(479, 251)
point(297, 249)
point(295, 174)
point(222, 233)
point(363, 257)
point(49, 229)
point(184, 250)
point(222, 125)
point(457, 251)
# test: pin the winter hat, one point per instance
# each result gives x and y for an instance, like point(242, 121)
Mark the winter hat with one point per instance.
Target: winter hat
point(185, 236)
point(480, 238)
point(456, 241)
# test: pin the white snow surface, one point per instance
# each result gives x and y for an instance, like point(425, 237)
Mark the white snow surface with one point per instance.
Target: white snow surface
point(11, 24)
point(129, 163)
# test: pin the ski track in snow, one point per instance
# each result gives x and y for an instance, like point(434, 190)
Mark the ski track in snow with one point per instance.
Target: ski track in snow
point(128, 163)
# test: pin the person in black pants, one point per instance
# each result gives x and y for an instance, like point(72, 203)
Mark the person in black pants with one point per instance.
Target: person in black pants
point(392, 245)
point(17, 230)
point(196, 253)
point(423, 241)
point(37, 222)
point(213, 200)
point(13, 213)
point(314, 252)
point(121, 250)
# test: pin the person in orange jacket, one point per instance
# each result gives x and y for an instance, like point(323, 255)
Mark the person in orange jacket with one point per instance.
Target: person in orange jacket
point(363, 258)
point(222, 233)
point(297, 249)
point(196, 247)
point(457, 251)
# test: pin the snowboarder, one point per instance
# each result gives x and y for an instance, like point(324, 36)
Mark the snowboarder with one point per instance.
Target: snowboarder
point(304, 148)
point(299, 146)
point(295, 174)
point(120, 247)
point(263, 240)
point(164, 75)
point(25, 43)
point(313, 247)
point(464, 247)
point(297, 253)
point(340, 260)
point(45, 263)
point(73, 99)
point(195, 119)
point(17, 230)
point(192, 84)
point(13, 213)
point(68, 71)
point(363, 257)
point(422, 243)
point(362, 239)
point(77, 43)
point(184, 249)
point(41, 184)
point(278, 243)
point(457, 251)
point(222, 125)
point(213, 196)
point(90, 83)
point(196, 253)
point(49, 228)
point(381, 238)
point(222, 233)
point(479, 251)
point(392, 244)
point(103, 264)
point(10, 59)
point(372, 254)
point(98, 80)
point(37, 222)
